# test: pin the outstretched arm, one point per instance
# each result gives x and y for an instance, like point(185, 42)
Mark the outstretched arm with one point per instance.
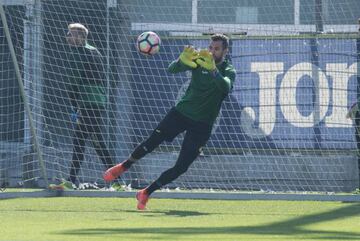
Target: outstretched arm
point(186, 60)
point(177, 66)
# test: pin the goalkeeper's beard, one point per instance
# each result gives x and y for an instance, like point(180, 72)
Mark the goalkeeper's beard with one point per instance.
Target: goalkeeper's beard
point(218, 60)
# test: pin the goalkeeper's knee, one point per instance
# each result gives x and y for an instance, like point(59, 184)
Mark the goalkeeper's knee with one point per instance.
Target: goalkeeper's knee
point(149, 145)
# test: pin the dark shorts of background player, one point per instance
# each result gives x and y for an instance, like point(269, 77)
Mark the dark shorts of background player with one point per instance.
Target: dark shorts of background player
point(174, 123)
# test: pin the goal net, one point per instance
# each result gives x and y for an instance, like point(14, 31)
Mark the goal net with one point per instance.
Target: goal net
point(282, 128)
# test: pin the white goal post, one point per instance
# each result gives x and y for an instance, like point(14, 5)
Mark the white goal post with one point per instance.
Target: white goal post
point(283, 128)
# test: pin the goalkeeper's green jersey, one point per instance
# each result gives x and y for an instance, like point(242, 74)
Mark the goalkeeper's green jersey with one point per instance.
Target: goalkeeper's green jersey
point(205, 93)
point(86, 77)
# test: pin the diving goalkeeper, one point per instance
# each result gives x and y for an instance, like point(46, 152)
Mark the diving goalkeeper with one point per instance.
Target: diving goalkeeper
point(86, 89)
point(212, 79)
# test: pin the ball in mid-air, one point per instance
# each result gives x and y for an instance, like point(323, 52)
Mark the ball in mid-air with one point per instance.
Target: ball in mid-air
point(148, 43)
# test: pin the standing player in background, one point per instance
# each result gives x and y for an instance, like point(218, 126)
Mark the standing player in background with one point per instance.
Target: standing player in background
point(86, 81)
point(354, 114)
point(212, 80)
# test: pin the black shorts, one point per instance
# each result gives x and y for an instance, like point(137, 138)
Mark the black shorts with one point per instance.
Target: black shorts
point(175, 123)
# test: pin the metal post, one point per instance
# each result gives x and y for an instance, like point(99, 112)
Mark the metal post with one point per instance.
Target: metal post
point(110, 3)
point(296, 12)
point(194, 11)
point(32, 65)
point(316, 93)
point(358, 95)
point(319, 24)
point(319, 28)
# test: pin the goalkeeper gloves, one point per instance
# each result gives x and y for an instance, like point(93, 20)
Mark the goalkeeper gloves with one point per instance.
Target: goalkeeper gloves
point(74, 114)
point(206, 60)
point(188, 56)
point(352, 111)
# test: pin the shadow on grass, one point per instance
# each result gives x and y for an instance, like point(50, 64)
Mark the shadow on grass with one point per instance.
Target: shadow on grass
point(174, 213)
point(292, 227)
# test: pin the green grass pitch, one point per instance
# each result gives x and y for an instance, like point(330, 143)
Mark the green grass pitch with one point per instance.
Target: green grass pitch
point(103, 219)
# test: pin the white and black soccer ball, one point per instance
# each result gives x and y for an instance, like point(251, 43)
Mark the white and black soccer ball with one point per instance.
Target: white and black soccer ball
point(148, 43)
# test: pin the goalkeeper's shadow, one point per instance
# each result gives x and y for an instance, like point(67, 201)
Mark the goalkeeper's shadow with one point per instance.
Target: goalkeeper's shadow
point(174, 213)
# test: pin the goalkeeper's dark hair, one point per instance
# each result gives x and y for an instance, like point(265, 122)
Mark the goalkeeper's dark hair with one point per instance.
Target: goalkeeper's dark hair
point(221, 37)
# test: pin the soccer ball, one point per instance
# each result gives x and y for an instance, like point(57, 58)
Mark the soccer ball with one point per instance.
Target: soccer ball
point(148, 43)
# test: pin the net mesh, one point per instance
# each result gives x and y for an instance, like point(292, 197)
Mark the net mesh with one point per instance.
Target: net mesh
point(282, 128)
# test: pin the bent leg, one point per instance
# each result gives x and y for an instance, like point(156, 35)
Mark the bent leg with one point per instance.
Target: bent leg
point(153, 141)
point(190, 150)
point(171, 126)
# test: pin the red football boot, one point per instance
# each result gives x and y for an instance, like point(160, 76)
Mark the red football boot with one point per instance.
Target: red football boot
point(113, 172)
